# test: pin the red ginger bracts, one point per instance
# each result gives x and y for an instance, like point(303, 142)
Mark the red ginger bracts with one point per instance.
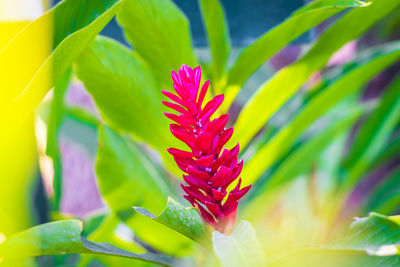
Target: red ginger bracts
point(208, 171)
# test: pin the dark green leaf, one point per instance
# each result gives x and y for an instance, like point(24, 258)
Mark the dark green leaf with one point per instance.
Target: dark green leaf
point(374, 134)
point(391, 150)
point(385, 197)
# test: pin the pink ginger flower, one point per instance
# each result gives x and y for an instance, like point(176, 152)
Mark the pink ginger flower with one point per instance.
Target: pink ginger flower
point(208, 171)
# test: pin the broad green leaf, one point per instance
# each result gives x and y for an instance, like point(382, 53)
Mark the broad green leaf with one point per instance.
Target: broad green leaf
point(371, 241)
point(218, 36)
point(320, 104)
point(159, 33)
point(240, 248)
point(126, 178)
point(284, 84)
point(64, 237)
point(124, 90)
point(255, 55)
point(74, 23)
point(183, 220)
point(373, 234)
point(373, 134)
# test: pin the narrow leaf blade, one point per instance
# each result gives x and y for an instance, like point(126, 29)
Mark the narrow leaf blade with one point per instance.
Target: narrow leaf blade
point(276, 91)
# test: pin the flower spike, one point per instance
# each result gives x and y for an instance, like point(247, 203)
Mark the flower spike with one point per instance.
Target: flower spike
point(209, 172)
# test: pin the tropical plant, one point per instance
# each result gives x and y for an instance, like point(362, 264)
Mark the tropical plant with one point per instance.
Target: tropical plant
point(307, 147)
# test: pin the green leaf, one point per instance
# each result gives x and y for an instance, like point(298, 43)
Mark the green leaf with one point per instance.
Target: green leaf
point(390, 151)
point(302, 158)
point(76, 23)
point(159, 33)
point(183, 220)
point(111, 230)
point(64, 237)
point(116, 79)
point(255, 55)
point(373, 134)
point(320, 104)
point(276, 91)
point(298, 162)
point(126, 178)
point(126, 175)
point(371, 242)
point(373, 234)
point(240, 248)
point(385, 197)
point(218, 36)
point(57, 113)
point(327, 4)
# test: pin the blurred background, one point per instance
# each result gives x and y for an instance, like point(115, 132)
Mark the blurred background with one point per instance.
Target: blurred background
point(37, 167)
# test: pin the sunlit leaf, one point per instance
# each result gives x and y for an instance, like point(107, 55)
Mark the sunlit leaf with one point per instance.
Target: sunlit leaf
point(240, 248)
point(159, 33)
point(320, 104)
point(255, 55)
point(299, 161)
point(303, 157)
point(75, 24)
point(183, 220)
point(371, 242)
point(372, 234)
point(284, 84)
point(124, 89)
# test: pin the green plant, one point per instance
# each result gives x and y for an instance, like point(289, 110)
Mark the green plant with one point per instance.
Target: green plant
point(299, 167)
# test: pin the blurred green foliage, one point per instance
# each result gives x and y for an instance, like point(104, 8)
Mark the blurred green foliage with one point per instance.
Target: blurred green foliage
point(305, 167)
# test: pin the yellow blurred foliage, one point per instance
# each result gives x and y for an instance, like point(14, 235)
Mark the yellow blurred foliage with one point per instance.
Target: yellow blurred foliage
point(21, 55)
